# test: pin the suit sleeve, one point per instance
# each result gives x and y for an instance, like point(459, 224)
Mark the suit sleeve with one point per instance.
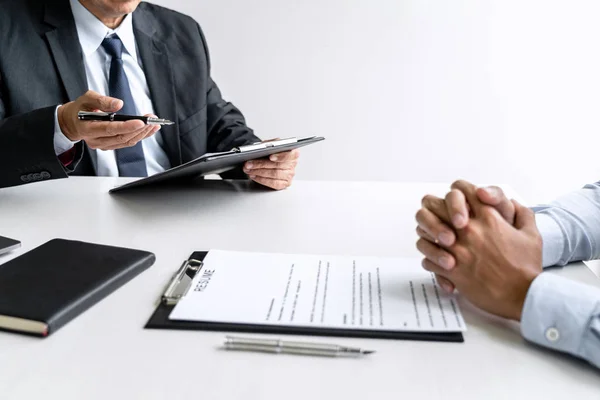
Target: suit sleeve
point(27, 147)
point(226, 125)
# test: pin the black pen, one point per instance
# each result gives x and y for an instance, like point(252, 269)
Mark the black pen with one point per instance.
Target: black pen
point(110, 117)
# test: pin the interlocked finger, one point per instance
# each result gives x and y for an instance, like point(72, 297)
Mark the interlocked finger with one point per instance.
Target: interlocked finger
point(436, 254)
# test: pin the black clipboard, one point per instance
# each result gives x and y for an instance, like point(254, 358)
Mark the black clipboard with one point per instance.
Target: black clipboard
point(179, 285)
point(216, 163)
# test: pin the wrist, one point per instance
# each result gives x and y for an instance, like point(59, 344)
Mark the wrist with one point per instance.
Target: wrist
point(64, 125)
point(521, 293)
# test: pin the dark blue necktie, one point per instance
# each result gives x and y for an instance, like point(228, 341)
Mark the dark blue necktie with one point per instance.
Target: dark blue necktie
point(130, 160)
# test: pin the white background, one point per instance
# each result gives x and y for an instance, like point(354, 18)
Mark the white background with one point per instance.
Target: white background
point(504, 91)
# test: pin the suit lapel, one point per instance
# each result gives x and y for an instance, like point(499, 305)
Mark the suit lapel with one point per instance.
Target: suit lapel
point(65, 48)
point(159, 75)
point(66, 51)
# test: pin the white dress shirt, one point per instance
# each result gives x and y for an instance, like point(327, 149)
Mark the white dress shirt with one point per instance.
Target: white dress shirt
point(559, 313)
point(91, 32)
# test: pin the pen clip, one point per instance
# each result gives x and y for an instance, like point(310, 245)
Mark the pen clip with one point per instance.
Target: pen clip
point(264, 145)
point(181, 282)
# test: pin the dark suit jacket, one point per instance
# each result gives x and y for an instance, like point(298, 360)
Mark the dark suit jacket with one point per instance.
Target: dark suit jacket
point(41, 66)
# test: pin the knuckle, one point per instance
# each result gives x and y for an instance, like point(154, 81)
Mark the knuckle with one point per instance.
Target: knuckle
point(420, 215)
point(449, 195)
point(473, 232)
point(427, 265)
point(426, 248)
point(458, 184)
point(461, 255)
point(489, 214)
point(528, 211)
point(131, 142)
point(104, 102)
point(453, 198)
point(426, 200)
point(419, 244)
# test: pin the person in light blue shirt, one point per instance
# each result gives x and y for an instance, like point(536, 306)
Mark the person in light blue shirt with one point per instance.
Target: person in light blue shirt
point(493, 251)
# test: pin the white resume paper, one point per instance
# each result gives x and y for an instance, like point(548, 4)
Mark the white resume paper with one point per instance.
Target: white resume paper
point(339, 292)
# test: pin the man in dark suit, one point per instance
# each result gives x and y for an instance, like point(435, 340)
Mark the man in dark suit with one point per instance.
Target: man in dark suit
point(59, 57)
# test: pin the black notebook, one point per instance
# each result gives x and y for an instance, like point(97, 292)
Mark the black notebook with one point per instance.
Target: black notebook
point(182, 283)
point(47, 287)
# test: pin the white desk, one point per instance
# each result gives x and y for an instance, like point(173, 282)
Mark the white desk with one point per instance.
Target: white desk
point(105, 354)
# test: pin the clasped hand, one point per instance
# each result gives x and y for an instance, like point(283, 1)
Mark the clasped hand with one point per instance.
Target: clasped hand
point(482, 244)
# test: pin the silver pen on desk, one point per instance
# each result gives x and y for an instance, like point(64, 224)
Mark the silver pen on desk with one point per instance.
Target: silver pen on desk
point(281, 346)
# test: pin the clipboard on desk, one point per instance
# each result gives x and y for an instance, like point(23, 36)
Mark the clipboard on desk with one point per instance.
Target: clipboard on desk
point(181, 283)
point(216, 163)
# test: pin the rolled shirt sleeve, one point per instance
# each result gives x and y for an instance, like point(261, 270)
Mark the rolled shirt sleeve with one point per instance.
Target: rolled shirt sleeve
point(570, 226)
point(553, 239)
point(563, 315)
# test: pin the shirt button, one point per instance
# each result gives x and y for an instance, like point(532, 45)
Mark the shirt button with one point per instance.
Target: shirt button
point(552, 334)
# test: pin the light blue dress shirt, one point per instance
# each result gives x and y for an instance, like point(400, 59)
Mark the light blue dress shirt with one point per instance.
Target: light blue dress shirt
point(559, 313)
point(91, 32)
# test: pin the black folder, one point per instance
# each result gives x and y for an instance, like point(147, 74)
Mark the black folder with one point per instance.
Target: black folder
point(181, 280)
point(216, 163)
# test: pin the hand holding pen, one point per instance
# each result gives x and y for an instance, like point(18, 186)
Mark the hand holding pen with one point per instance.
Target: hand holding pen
point(104, 135)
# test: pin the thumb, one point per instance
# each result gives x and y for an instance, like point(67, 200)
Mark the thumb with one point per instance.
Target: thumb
point(495, 197)
point(524, 217)
point(95, 101)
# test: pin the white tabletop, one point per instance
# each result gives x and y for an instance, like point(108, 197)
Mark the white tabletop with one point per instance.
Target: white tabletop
point(106, 354)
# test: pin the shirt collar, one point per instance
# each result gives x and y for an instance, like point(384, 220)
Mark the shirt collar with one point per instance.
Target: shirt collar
point(92, 31)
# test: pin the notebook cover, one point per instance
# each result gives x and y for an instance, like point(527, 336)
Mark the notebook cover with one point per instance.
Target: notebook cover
point(60, 279)
point(160, 320)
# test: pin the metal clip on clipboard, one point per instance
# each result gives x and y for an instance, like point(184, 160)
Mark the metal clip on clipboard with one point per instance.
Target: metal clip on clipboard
point(181, 282)
point(264, 145)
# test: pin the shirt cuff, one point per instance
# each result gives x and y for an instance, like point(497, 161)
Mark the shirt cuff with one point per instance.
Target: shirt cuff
point(552, 239)
point(557, 312)
point(62, 143)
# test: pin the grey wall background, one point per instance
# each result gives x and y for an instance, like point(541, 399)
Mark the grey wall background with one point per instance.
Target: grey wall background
point(504, 91)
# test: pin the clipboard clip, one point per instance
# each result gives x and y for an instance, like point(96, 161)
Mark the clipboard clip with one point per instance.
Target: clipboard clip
point(264, 145)
point(180, 282)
